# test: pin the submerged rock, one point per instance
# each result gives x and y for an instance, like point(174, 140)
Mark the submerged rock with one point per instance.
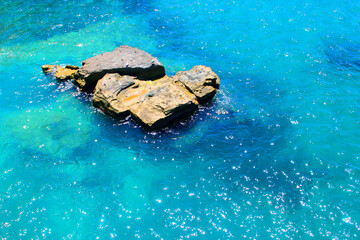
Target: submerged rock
point(130, 81)
point(124, 60)
point(344, 55)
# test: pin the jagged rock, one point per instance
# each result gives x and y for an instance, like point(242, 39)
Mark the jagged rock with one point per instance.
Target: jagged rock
point(152, 103)
point(59, 72)
point(64, 73)
point(163, 103)
point(47, 68)
point(106, 94)
point(124, 60)
point(72, 67)
point(200, 80)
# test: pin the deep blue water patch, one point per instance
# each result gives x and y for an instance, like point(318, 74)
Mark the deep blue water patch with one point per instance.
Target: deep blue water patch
point(344, 55)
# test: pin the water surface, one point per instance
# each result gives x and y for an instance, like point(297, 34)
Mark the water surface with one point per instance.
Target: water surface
point(274, 155)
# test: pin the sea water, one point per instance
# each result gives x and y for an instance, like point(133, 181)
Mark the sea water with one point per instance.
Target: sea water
point(275, 155)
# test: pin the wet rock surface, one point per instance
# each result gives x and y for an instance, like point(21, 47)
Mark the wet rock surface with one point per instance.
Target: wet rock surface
point(129, 81)
point(60, 73)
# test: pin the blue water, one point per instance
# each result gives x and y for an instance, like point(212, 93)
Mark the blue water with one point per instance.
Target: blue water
point(275, 155)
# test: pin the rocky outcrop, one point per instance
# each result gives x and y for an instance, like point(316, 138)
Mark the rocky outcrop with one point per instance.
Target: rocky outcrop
point(47, 68)
point(124, 60)
point(61, 73)
point(129, 81)
point(65, 73)
point(152, 103)
point(107, 92)
point(200, 80)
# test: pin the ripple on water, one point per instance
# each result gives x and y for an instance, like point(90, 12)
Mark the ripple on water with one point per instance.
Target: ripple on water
point(275, 155)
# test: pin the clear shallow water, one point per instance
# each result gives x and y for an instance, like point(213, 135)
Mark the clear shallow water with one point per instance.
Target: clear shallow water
point(275, 155)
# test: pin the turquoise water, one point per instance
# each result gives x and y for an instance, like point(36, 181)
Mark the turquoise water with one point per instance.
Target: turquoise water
point(275, 155)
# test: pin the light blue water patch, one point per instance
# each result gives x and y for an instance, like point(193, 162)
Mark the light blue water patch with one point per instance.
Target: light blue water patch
point(274, 155)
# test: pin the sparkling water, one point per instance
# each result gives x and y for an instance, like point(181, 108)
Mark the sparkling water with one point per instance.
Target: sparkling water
point(275, 155)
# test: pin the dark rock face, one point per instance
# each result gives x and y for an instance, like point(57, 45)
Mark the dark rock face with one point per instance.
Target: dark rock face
point(129, 81)
point(124, 60)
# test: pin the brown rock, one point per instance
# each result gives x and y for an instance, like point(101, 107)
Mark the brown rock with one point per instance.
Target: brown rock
point(59, 72)
point(152, 103)
point(163, 103)
point(47, 68)
point(107, 91)
point(201, 81)
point(64, 73)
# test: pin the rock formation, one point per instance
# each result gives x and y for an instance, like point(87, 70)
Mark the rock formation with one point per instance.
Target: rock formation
point(59, 72)
point(153, 103)
point(124, 60)
point(130, 81)
point(200, 81)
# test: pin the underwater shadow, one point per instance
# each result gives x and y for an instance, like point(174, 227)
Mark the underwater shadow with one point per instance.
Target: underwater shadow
point(44, 20)
point(247, 148)
point(343, 55)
